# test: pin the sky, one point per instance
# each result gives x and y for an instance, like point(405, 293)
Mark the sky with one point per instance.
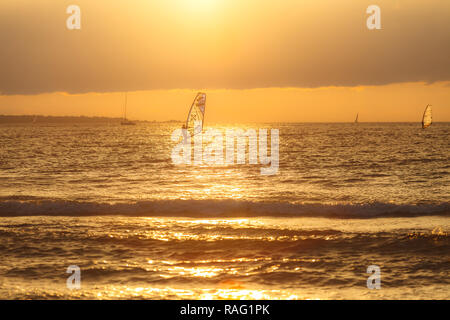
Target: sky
point(265, 60)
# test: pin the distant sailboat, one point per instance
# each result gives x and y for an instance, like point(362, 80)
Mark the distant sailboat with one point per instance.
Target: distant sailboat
point(356, 120)
point(125, 121)
point(427, 118)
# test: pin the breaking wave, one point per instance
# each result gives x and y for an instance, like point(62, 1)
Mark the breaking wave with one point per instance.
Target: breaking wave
point(215, 208)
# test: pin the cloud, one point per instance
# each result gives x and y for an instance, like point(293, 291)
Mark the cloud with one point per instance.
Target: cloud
point(146, 45)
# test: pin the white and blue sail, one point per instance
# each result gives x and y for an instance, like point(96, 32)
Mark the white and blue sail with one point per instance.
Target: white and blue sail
point(196, 115)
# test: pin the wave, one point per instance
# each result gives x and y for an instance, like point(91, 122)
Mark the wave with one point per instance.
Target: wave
point(218, 208)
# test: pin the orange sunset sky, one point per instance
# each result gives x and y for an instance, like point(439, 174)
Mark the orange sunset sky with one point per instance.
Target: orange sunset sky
point(265, 60)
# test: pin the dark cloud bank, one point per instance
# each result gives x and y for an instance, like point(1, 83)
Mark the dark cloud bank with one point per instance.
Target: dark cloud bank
point(134, 51)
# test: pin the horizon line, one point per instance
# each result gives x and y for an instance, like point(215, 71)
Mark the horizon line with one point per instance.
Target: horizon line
point(213, 122)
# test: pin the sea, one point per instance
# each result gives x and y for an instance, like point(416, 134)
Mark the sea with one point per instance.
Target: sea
point(101, 211)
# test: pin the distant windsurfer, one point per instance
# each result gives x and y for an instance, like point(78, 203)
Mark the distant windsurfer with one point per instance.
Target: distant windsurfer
point(194, 122)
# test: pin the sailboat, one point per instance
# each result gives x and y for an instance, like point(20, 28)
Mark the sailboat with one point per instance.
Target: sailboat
point(427, 118)
point(125, 121)
point(356, 120)
point(196, 115)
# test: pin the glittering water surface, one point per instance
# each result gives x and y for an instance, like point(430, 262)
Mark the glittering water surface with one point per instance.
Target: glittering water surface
point(108, 199)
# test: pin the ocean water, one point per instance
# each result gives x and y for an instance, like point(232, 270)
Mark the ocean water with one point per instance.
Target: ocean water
point(108, 198)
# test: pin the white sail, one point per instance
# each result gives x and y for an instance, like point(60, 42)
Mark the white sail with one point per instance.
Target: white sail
point(196, 116)
point(427, 117)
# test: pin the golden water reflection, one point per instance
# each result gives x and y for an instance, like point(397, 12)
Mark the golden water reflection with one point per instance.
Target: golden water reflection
point(118, 292)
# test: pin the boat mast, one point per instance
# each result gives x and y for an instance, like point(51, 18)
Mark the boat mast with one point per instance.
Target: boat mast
point(125, 107)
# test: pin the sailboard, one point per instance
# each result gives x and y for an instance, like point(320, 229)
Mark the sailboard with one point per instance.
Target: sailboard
point(356, 120)
point(427, 118)
point(196, 115)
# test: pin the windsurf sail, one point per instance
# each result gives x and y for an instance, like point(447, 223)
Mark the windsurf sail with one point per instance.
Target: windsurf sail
point(427, 118)
point(196, 115)
point(356, 120)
